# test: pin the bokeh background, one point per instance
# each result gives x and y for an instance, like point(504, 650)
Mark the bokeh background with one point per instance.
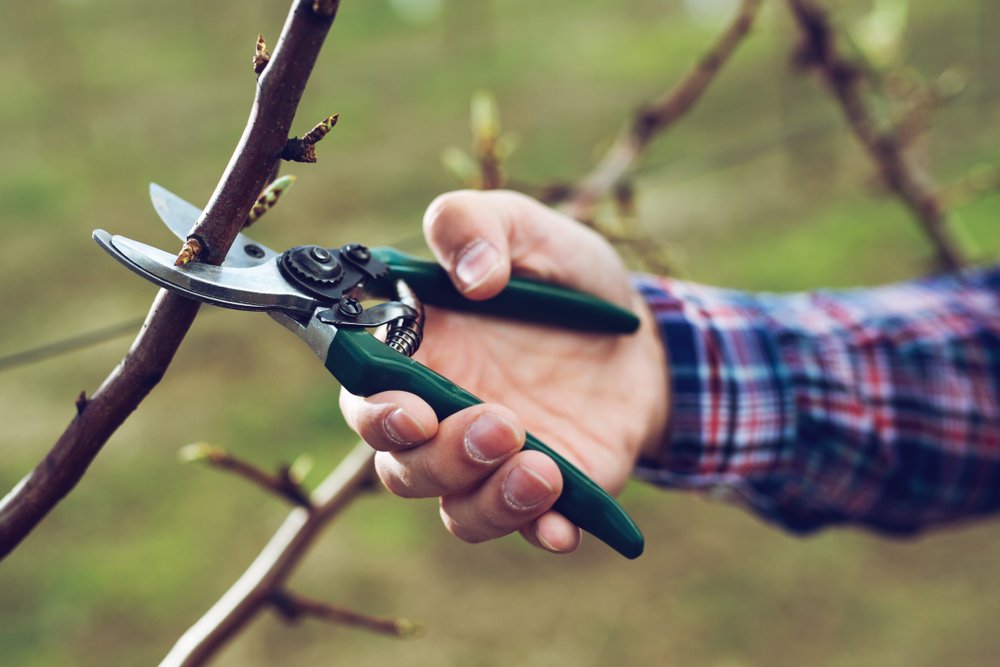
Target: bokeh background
point(760, 187)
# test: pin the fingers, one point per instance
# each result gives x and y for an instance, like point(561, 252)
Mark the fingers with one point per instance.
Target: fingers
point(552, 532)
point(520, 491)
point(470, 241)
point(472, 460)
point(390, 421)
point(468, 447)
point(478, 237)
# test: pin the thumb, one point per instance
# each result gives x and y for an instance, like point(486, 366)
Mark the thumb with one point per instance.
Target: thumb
point(467, 232)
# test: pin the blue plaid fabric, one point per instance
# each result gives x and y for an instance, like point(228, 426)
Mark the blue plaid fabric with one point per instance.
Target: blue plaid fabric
point(879, 407)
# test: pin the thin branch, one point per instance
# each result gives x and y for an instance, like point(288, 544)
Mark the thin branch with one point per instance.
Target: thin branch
point(270, 570)
point(659, 115)
point(849, 85)
point(279, 89)
point(293, 607)
point(280, 484)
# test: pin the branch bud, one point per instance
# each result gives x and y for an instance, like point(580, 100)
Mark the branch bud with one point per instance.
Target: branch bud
point(198, 452)
point(261, 55)
point(314, 135)
point(268, 198)
point(190, 252)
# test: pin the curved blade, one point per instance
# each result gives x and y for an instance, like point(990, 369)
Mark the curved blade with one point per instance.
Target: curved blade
point(259, 287)
point(179, 216)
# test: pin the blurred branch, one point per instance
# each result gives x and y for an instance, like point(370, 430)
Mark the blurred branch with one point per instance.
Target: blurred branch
point(981, 181)
point(659, 115)
point(280, 484)
point(848, 82)
point(279, 90)
point(294, 607)
point(650, 252)
point(483, 170)
point(267, 575)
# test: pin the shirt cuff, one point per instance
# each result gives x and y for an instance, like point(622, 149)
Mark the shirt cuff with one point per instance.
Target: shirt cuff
point(732, 418)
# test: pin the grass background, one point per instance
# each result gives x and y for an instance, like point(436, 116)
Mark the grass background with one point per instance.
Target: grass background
point(100, 98)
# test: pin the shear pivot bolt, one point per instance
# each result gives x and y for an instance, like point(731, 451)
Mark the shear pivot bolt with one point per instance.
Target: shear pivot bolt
point(359, 253)
point(321, 255)
point(349, 307)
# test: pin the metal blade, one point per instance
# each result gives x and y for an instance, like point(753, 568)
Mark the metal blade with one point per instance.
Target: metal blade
point(260, 287)
point(179, 216)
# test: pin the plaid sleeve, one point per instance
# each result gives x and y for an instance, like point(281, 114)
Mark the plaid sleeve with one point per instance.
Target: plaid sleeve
point(879, 407)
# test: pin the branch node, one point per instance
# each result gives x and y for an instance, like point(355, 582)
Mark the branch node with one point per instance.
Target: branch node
point(81, 402)
point(325, 8)
point(304, 149)
point(191, 251)
point(261, 55)
point(296, 150)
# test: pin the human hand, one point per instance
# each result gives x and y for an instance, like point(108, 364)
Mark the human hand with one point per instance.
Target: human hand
point(597, 399)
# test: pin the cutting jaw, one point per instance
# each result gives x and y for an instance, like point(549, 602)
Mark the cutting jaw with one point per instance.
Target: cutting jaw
point(255, 287)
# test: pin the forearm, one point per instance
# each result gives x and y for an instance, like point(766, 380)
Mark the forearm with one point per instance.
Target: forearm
point(879, 407)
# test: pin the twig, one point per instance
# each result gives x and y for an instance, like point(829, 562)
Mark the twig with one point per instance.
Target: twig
point(659, 115)
point(486, 141)
point(281, 484)
point(900, 172)
point(274, 564)
point(293, 607)
point(279, 89)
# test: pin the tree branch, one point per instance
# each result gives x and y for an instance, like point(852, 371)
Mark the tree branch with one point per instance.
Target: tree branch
point(267, 574)
point(902, 174)
point(279, 90)
point(294, 607)
point(281, 484)
point(659, 115)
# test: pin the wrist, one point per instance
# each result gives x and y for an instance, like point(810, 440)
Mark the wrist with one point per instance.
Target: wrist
point(656, 392)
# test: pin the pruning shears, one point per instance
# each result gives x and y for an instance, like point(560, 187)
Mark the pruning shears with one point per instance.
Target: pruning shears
point(317, 292)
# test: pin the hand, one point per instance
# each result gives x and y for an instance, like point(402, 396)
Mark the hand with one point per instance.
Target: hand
point(597, 399)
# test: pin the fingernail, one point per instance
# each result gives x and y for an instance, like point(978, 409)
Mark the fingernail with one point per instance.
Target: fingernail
point(490, 438)
point(545, 543)
point(477, 261)
point(402, 428)
point(524, 488)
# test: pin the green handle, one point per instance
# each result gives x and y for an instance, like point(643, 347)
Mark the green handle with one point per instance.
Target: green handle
point(365, 366)
point(522, 299)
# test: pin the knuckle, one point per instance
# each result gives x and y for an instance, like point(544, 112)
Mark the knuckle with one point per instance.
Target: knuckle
point(458, 530)
point(395, 477)
point(432, 475)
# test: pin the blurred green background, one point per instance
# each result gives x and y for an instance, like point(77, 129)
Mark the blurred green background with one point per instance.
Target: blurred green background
point(759, 188)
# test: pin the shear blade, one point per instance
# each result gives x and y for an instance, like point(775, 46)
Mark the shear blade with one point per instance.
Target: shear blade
point(180, 216)
point(260, 287)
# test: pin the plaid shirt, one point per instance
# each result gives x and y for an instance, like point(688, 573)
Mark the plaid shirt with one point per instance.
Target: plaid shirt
point(879, 407)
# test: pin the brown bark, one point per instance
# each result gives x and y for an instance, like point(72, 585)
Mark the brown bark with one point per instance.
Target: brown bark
point(279, 89)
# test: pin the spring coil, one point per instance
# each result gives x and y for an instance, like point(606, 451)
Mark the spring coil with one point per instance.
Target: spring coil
point(405, 334)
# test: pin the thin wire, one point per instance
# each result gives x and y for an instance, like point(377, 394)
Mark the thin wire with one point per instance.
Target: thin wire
point(87, 339)
point(66, 345)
